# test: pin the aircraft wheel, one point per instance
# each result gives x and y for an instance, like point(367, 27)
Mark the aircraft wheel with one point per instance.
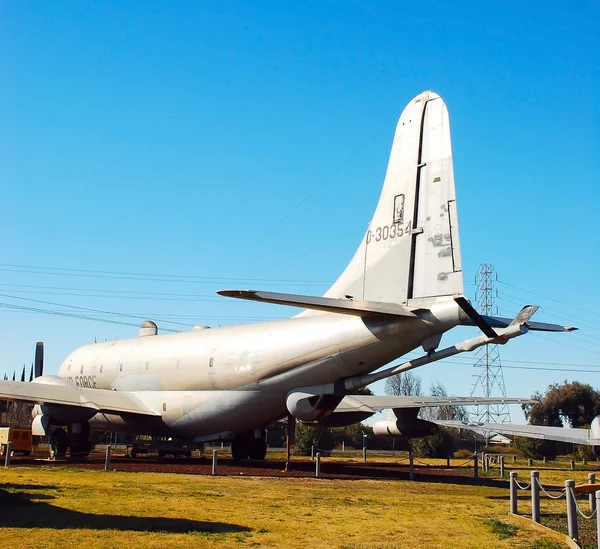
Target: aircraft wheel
point(59, 443)
point(259, 449)
point(239, 447)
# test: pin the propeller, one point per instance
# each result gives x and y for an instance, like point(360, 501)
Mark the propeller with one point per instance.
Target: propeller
point(38, 368)
point(479, 321)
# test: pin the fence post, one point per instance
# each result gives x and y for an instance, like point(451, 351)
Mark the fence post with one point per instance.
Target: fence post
point(343, 446)
point(501, 466)
point(592, 480)
point(535, 496)
point(475, 466)
point(571, 509)
point(513, 493)
point(514, 459)
point(529, 462)
point(312, 453)
point(572, 465)
point(411, 465)
point(448, 461)
point(107, 458)
point(7, 456)
point(598, 517)
point(213, 471)
point(483, 461)
point(318, 465)
point(364, 453)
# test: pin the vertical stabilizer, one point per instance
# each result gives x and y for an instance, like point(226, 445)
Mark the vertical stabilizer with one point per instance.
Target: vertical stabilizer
point(411, 249)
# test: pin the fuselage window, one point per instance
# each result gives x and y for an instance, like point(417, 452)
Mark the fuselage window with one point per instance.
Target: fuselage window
point(164, 406)
point(101, 366)
point(211, 362)
point(69, 368)
point(121, 367)
point(82, 369)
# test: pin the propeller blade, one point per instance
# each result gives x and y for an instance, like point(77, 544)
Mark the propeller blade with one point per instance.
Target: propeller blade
point(39, 359)
point(479, 321)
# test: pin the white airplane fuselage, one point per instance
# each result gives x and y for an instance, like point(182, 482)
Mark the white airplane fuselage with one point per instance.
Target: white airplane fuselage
point(232, 379)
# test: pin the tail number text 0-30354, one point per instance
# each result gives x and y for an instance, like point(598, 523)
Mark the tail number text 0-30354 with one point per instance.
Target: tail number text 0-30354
point(388, 232)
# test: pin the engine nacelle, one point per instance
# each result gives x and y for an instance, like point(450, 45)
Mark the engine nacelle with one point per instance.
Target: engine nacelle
point(312, 404)
point(404, 422)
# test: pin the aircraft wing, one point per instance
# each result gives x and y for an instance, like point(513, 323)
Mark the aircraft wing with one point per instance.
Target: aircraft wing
point(356, 307)
point(100, 400)
point(373, 403)
point(561, 434)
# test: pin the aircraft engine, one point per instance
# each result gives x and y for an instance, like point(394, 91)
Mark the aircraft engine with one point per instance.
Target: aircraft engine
point(310, 404)
point(404, 422)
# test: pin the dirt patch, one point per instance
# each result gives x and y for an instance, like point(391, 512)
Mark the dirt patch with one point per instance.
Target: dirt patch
point(301, 467)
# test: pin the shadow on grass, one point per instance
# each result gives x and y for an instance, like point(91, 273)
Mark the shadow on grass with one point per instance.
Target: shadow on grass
point(27, 510)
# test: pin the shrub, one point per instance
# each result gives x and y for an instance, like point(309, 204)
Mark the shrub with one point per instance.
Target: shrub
point(308, 435)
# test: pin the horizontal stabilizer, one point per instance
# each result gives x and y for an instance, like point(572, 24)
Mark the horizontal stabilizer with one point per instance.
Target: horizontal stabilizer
point(561, 434)
point(373, 403)
point(356, 307)
point(502, 322)
point(101, 400)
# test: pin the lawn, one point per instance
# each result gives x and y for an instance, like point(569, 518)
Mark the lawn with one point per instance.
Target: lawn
point(69, 507)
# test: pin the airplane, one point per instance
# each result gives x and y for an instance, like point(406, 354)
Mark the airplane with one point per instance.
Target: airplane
point(403, 289)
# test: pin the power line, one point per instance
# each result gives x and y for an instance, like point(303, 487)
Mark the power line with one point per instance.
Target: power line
point(311, 193)
point(551, 299)
point(88, 273)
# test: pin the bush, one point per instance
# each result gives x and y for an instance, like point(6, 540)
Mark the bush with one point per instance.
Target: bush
point(463, 453)
point(308, 436)
point(535, 448)
point(585, 452)
point(438, 445)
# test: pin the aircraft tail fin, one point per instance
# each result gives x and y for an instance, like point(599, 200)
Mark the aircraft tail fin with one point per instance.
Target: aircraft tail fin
point(411, 251)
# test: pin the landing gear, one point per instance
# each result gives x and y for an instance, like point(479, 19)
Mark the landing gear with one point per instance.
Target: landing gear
point(79, 440)
point(59, 442)
point(249, 446)
point(76, 439)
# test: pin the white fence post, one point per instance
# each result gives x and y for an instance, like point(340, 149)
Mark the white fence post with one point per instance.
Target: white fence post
point(571, 509)
point(8, 452)
point(107, 458)
point(535, 496)
point(598, 518)
point(312, 453)
point(501, 466)
point(513, 492)
point(215, 459)
point(318, 465)
point(592, 480)
point(475, 466)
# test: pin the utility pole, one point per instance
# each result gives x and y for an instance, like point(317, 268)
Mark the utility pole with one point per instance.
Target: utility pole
point(487, 375)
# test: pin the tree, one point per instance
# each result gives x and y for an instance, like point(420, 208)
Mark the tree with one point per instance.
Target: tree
point(449, 412)
point(307, 436)
point(536, 448)
point(575, 403)
point(403, 384)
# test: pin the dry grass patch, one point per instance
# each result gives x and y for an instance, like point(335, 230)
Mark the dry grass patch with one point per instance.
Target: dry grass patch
point(70, 508)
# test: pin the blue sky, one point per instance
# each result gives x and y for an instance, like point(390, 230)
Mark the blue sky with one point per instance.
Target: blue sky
point(212, 139)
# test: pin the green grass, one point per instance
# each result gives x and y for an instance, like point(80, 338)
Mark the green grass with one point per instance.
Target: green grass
point(501, 529)
point(51, 507)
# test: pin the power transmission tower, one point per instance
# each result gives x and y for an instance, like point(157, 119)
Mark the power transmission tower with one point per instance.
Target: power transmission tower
point(488, 377)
